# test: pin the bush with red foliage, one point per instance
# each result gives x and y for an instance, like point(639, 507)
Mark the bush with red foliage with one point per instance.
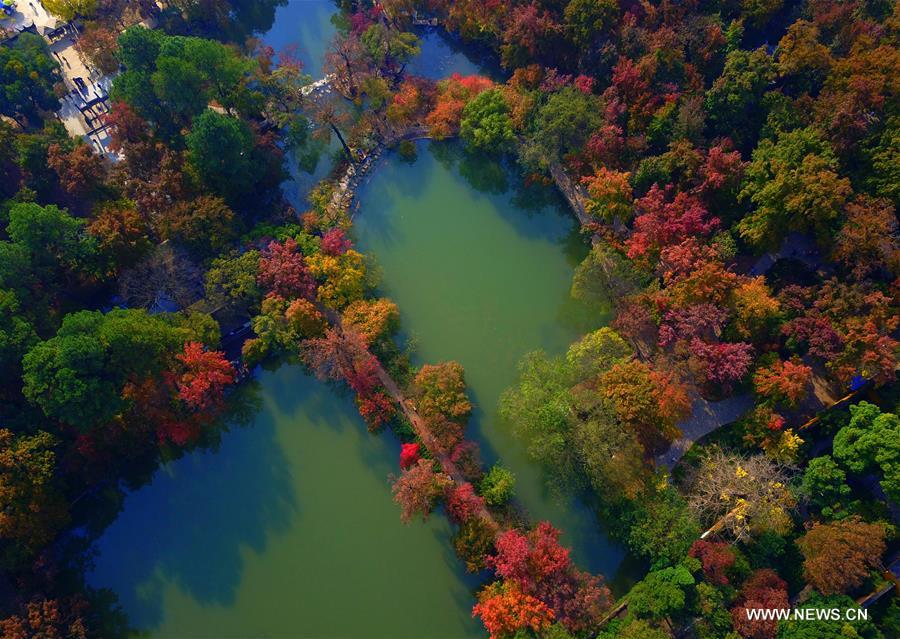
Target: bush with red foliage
point(506, 611)
point(463, 503)
point(205, 376)
point(409, 455)
point(716, 557)
point(335, 242)
point(663, 220)
point(539, 566)
point(283, 270)
point(763, 589)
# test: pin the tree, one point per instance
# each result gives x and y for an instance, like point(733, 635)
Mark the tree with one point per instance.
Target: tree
point(661, 594)
point(418, 488)
point(164, 278)
point(764, 589)
point(867, 242)
point(871, 440)
point(649, 402)
point(784, 382)
point(561, 126)
point(53, 239)
point(802, 57)
point(463, 503)
point(662, 527)
point(497, 485)
point(17, 335)
point(611, 195)
point(99, 44)
point(205, 375)
point(589, 21)
point(485, 124)
point(539, 408)
point(440, 391)
point(596, 353)
point(755, 310)
point(838, 556)
point(453, 95)
point(474, 541)
point(716, 557)
point(409, 455)
point(335, 242)
point(27, 75)
point(232, 279)
point(32, 510)
point(825, 485)
point(220, 149)
point(537, 565)
point(733, 103)
point(205, 225)
point(81, 171)
point(284, 271)
point(342, 278)
point(721, 364)
point(389, 48)
point(375, 320)
point(746, 495)
point(78, 375)
point(794, 185)
point(663, 221)
point(529, 31)
point(69, 9)
point(122, 234)
point(505, 611)
point(47, 618)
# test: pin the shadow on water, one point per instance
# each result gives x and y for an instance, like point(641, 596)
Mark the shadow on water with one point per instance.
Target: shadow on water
point(189, 525)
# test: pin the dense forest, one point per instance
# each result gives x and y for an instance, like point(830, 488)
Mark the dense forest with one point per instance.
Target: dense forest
point(734, 168)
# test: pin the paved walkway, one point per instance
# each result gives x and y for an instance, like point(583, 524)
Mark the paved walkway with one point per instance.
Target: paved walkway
point(705, 417)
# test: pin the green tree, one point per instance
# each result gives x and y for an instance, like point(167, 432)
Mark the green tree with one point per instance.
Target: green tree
point(388, 47)
point(871, 441)
point(17, 335)
point(497, 485)
point(53, 240)
point(539, 408)
point(661, 594)
point(733, 101)
point(562, 125)
point(794, 185)
point(220, 150)
point(596, 353)
point(232, 279)
point(661, 527)
point(70, 9)
point(825, 485)
point(77, 376)
point(485, 124)
point(32, 510)
point(27, 76)
point(587, 21)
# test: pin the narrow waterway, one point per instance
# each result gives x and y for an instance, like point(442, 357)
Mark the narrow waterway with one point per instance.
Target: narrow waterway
point(481, 267)
point(305, 29)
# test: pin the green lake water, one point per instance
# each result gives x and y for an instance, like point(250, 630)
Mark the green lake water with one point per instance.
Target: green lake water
point(288, 529)
point(481, 268)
